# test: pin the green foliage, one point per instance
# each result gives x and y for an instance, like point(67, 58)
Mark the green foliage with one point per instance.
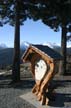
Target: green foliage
point(8, 11)
point(54, 13)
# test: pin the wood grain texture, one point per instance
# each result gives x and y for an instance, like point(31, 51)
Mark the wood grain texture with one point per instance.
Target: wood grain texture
point(44, 73)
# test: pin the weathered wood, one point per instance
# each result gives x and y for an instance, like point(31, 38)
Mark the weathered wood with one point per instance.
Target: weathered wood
point(41, 86)
point(42, 67)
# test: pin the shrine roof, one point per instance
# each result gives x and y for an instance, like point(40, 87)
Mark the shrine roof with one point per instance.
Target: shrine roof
point(46, 51)
point(49, 51)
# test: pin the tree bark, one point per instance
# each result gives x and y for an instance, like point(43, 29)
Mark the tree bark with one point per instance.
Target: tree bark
point(16, 59)
point(62, 68)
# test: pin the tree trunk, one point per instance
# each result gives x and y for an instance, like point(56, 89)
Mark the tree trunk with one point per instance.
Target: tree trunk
point(16, 59)
point(62, 69)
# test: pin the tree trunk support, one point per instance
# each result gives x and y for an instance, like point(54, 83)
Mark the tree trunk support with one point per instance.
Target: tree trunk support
point(40, 89)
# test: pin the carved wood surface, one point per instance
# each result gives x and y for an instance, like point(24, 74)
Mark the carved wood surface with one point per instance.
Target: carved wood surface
point(41, 86)
point(45, 58)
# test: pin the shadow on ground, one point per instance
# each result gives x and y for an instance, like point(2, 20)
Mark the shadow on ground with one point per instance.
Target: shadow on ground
point(58, 100)
point(5, 82)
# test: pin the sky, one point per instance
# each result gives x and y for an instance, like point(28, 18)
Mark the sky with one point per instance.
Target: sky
point(32, 32)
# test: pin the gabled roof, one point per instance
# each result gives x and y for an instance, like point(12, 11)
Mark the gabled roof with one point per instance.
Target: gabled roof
point(45, 50)
point(49, 51)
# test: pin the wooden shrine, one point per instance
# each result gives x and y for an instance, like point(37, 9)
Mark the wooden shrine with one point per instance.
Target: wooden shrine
point(43, 60)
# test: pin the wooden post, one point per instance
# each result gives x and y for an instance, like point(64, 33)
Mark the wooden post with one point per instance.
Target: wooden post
point(41, 86)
